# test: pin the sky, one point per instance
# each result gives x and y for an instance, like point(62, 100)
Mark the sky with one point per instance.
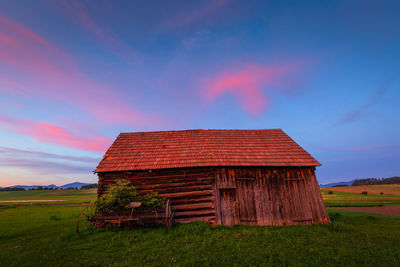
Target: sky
point(74, 74)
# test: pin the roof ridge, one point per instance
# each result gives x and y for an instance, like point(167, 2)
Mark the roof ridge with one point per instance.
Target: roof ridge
point(187, 130)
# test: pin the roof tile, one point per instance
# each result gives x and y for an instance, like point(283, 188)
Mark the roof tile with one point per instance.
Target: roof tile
point(200, 148)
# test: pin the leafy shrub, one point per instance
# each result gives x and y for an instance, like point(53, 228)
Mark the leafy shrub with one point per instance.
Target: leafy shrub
point(122, 193)
point(151, 200)
point(381, 193)
point(330, 192)
point(117, 197)
point(364, 192)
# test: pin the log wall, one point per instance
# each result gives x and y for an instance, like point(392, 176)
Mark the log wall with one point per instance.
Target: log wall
point(234, 195)
point(191, 190)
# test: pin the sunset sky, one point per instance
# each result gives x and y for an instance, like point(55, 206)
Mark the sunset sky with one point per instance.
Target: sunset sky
point(74, 74)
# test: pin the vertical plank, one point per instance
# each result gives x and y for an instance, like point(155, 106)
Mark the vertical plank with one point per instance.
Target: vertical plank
point(217, 197)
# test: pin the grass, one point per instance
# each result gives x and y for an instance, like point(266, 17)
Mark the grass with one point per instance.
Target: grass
point(33, 235)
point(344, 199)
point(45, 236)
point(339, 199)
point(70, 196)
point(387, 189)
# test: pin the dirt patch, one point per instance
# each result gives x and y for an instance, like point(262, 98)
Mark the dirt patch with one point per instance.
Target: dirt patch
point(63, 204)
point(31, 200)
point(393, 210)
point(393, 189)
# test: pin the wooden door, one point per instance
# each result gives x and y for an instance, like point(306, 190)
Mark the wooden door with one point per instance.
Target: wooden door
point(246, 200)
point(228, 212)
point(300, 202)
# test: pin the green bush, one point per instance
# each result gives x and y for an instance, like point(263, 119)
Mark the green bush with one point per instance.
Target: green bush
point(330, 192)
point(151, 201)
point(117, 197)
point(364, 192)
point(122, 193)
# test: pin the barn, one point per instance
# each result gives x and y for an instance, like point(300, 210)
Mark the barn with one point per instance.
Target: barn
point(256, 177)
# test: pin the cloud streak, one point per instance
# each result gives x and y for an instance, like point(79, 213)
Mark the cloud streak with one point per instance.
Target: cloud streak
point(247, 84)
point(38, 64)
point(79, 14)
point(374, 99)
point(21, 166)
point(45, 167)
point(393, 146)
point(199, 13)
point(53, 134)
point(22, 153)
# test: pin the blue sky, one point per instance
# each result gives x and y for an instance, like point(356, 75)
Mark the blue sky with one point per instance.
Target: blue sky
point(73, 74)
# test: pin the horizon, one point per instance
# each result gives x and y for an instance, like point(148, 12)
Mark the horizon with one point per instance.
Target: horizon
point(336, 181)
point(73, 75)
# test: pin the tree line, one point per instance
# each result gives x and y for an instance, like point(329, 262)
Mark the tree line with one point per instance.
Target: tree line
point(377, 181)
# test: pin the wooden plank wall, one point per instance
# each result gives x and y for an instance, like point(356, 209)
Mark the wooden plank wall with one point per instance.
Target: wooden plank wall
point(268, 196)
point(234, 195)
point(191, 190)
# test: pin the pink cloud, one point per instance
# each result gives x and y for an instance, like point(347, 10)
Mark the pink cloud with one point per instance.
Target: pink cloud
point(247, 84)
point(15, 27)
point(13, 87)
point(51, 73)
point(53, 134)
point(19, 33)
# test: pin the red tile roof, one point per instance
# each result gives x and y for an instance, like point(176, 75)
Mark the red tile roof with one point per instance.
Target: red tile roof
point(201, 148)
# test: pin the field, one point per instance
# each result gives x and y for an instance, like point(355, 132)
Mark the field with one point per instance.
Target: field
point(346, 196)
point(42, 234)
point(67, 196)
point(387, 189)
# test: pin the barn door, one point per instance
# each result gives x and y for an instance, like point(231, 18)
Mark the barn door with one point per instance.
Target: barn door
point(300, 202)
point(246, 200)
point(228, 206)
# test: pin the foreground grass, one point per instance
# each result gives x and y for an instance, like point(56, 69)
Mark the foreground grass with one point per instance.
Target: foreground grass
point(45, 236)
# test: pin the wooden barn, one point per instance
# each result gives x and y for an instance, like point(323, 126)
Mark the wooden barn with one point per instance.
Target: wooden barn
point(257, 177)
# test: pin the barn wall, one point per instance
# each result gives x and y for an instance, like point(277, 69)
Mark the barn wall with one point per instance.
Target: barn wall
point(233, 195)
point(268, 196)
point(191, 191)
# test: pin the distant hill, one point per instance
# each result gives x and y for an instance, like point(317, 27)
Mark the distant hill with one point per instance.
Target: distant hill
point(367, 181)
point(377, 181)
point(26, 187)
point(77, 185)
point(348, 183)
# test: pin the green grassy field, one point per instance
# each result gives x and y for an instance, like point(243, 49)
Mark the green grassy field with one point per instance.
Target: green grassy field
point(69, 196)
point(45, 235)
point(337, 199)
point(345, 199)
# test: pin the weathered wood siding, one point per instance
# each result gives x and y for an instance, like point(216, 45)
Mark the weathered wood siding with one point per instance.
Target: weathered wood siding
point(234, 195)
point(191, 190)
point(268, 196)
